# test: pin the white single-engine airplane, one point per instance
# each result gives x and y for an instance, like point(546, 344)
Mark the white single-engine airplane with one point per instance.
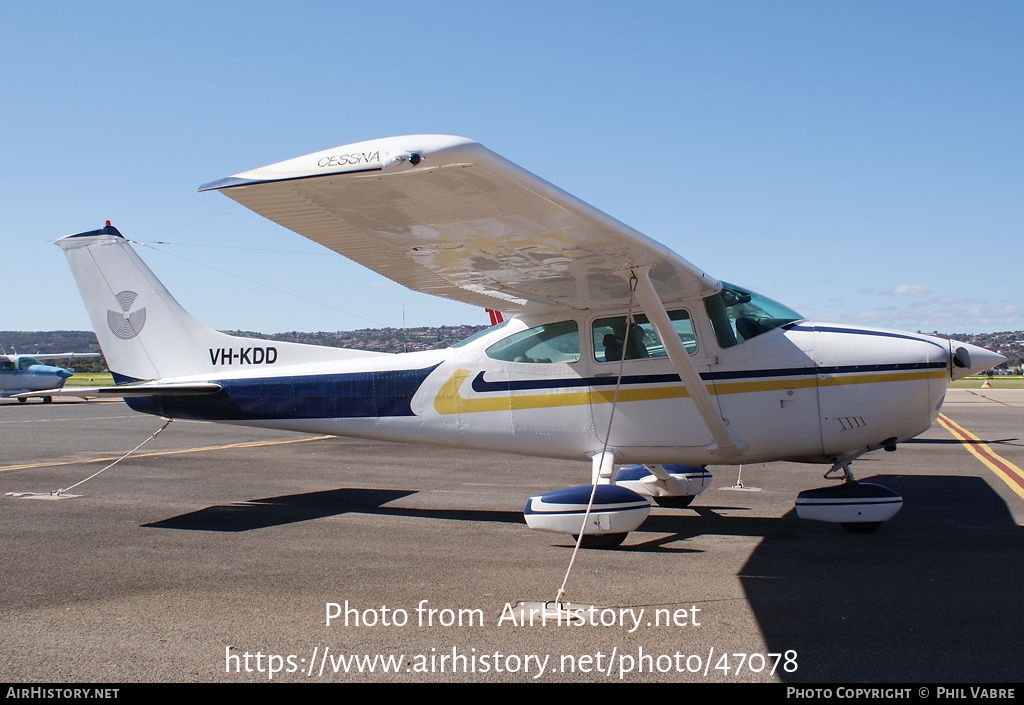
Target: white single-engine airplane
point(25, 373)
point(706, 372)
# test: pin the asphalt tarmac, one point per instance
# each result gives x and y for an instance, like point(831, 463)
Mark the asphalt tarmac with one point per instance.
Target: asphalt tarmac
point(231, 554)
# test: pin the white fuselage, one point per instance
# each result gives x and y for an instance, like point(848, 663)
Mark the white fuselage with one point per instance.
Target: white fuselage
point(803, 392)
point(19, 374)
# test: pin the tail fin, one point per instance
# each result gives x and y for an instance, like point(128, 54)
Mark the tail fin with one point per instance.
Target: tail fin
point(145, 334)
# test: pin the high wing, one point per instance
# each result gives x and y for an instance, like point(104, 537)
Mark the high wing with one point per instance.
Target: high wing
point(445, 216)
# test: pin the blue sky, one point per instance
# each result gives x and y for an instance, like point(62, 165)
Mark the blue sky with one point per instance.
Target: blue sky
point(861, 162)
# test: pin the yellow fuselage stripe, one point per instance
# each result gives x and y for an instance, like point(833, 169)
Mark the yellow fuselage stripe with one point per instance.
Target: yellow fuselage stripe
point(449, 399)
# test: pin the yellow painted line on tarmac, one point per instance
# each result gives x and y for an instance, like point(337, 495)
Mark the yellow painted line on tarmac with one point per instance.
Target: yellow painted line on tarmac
point(1006, 471)
point(252, 444)
point(91, 418)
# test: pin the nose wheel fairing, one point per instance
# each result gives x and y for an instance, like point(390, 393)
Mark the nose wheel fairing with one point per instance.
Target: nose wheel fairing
point(860, 507)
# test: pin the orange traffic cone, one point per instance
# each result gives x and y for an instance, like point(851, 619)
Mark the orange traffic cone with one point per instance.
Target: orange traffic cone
point(986, 385)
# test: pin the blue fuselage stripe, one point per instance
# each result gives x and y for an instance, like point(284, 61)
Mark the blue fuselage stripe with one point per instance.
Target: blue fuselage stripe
point(339, 396)
point(481, 385)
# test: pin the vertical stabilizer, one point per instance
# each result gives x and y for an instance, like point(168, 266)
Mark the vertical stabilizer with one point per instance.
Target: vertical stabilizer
point(145, 334)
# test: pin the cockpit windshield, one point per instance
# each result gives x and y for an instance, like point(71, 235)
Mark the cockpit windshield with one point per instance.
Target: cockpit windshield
point(25, 362)
point(738, 314)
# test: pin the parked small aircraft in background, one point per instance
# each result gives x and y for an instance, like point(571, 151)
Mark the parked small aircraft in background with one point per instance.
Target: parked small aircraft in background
point(617, 349)
point(25, 373)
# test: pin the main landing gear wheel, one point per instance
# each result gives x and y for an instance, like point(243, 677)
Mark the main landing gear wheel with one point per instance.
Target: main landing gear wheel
point(600, 541)
point(611, 512)
point(47, 400)
point(674, 502)
point(22, 400)
point(860, 527)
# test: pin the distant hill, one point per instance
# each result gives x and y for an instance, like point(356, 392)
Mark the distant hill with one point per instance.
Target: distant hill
point(381, 340)
point(1008, 343)
point(392, 340)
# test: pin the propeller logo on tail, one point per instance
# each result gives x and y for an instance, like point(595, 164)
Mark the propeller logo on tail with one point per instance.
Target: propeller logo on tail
point(126, 324)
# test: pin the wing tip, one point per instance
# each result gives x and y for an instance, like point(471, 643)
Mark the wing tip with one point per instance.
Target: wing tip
point(227, 182)
point(359, 157)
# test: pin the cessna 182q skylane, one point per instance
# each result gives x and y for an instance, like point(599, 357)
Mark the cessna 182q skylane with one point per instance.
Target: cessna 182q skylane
point(24, 373)
point(707, 373)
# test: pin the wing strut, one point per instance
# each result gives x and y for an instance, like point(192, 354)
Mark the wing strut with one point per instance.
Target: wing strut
point(725, 445)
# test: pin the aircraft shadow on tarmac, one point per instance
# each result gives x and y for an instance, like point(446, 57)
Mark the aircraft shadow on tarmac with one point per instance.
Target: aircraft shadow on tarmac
point(929, 597)
point(288, 509)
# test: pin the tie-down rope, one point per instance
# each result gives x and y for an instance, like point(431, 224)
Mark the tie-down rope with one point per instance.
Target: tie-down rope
point(58, 493)
point(559, 597)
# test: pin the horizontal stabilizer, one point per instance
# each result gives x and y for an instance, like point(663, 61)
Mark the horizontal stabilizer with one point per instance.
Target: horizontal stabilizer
point(145, 389)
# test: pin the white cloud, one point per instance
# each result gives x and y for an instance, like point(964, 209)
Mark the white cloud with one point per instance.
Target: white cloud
point(910, 290)
point(947, 318)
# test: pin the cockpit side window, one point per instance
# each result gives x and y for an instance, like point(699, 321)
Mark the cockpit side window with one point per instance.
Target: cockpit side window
point(25, 362)
point(547, 344)
point(642, 341)
point(737, 315)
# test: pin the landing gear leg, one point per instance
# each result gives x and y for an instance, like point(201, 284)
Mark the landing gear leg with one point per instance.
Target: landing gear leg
point(844, 465)
point(854, 527)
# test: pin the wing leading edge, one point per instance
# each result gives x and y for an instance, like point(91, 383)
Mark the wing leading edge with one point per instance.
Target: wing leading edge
point(446, 216)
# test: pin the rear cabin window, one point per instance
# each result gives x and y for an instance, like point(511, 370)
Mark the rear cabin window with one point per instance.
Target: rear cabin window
point(611, 339)
point(547, 344)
